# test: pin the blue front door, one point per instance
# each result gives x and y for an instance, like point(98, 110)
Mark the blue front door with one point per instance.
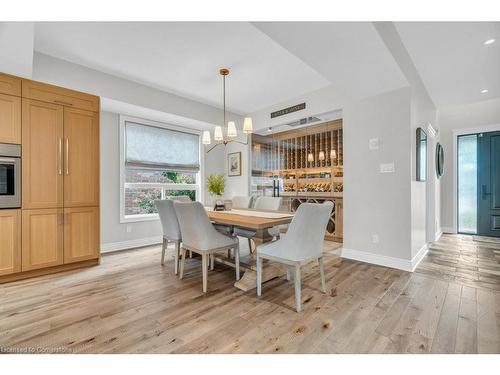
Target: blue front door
point(488, 184)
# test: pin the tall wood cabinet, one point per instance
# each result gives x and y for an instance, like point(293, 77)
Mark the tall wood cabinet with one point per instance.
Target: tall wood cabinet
point(58, 225)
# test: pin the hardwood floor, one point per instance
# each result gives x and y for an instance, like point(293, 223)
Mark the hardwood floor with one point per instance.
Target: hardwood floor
point(130, 304)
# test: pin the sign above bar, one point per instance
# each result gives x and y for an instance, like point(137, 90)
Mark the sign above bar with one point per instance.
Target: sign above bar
point(288, 110)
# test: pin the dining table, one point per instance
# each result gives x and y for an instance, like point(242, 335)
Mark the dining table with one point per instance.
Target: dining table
point(258, 222)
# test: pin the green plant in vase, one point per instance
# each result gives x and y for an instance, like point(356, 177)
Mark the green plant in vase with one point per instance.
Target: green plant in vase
point(216, 184)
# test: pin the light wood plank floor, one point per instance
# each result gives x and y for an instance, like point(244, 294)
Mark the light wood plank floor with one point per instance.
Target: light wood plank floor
point(130, 304)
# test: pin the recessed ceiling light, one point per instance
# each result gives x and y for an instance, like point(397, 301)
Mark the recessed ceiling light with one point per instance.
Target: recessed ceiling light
point(489, 41)
point(484, 91)
point(269, 129)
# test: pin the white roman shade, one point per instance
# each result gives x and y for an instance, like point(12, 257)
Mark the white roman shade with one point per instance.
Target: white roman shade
point(159, 148)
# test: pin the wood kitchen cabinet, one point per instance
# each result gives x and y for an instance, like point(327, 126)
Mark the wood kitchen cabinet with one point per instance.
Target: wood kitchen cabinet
point(10, 119)
point(59, 95)
point(10, 241)
point(58, 226)
point(10, 85)
point(81, 234)
point(42, 155)
point(42, 233)
point(81, 163)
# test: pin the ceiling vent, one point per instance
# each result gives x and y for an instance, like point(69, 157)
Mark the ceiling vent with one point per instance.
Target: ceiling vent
point(303, 121)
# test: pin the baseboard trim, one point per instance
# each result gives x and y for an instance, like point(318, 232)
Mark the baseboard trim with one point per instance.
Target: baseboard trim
point(419, 256)
point(130, 244)
point(438, 235)
point(384, 260)
point(448, 230)
point(380, 260)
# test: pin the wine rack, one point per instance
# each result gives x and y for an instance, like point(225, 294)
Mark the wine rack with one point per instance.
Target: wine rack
point(309, 162)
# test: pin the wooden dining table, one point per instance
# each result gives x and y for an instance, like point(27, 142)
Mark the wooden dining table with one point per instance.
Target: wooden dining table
point(258, 221)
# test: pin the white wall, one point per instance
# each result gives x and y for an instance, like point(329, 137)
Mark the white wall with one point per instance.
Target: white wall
point(376, 203)
point(459, 118)
point(423, 193)
point(238, 185)
point(317, 102)
point(16, 48)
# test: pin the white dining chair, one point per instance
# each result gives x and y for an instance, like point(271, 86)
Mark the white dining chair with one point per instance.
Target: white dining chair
point(179, 198)
point(241, 202)
point(236, 202)
point(171, 229)
point(199, 236)
point(261, 203)
point(302, 243)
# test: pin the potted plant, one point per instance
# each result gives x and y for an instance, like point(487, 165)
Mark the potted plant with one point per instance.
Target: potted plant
point(215, 186)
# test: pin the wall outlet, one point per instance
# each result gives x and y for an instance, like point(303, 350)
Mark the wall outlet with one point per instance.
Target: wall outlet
point(373, 144)
point(129, 228)
point(387, 168)
point(375, 238)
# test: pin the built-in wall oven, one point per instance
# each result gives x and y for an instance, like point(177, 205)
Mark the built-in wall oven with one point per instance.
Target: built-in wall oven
point(10, 176)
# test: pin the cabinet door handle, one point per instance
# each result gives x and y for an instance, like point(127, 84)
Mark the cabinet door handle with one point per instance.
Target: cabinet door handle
point(63, 103)
point(67, 156)
point(60, 156)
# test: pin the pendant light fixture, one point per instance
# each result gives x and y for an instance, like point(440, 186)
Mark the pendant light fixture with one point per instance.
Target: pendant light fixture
point(230, 127)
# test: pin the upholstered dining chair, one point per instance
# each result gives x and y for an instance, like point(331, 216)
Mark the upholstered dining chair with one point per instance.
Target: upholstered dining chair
point(179, 198)
point(302, 243)
point(199, 236)
point(236, 202)
point(262, 203)
point(171, 229)
point(241, 201)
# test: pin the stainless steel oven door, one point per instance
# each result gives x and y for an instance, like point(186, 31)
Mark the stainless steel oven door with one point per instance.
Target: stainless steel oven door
point(10, 182)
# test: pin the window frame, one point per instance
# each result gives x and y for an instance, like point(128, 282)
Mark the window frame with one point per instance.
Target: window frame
point(197, 187)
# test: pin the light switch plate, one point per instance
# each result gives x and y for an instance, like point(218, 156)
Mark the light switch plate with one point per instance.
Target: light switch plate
point(373, 144)
point(387, 168)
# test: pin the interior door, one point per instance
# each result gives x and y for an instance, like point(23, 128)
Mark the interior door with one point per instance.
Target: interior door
point(488, 216)
point(81, 158)
point(42, 164)
point(81, 234)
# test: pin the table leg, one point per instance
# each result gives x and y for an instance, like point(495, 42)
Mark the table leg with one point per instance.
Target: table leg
point(270, 270)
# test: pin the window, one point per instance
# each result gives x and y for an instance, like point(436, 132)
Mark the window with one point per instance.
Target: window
point(157, 161)
point(467, 184)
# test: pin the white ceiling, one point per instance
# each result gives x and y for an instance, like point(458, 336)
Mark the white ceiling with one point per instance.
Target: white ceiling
point(185, 57)
point(350, 54)
point(272, 62)
point(453, 61)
